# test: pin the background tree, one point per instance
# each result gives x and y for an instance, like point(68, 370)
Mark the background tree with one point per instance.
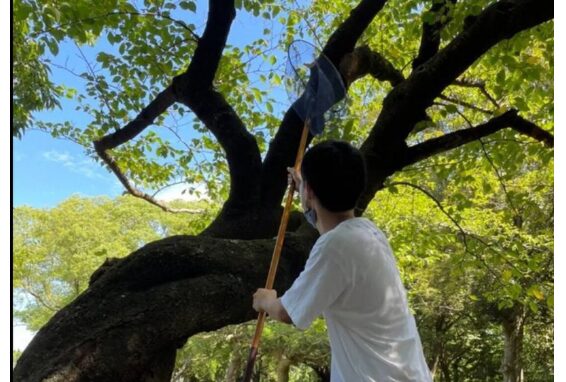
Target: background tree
point(451, 73)
point(57, 250)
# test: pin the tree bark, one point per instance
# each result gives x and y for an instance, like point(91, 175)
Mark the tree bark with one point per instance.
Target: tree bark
point(128, 324)
point(513, 327)
point(235, 368)
point(445, 372)
point(283, 367)
point(437, 363)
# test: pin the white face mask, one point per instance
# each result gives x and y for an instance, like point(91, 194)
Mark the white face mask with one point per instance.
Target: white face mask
point(310, 215)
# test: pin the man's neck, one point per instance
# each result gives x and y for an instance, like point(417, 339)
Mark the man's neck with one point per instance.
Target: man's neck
point(327, 220)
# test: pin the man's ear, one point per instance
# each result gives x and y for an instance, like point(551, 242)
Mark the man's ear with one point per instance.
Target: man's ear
point(307, 188)
point(309, 192)
point(305, 195)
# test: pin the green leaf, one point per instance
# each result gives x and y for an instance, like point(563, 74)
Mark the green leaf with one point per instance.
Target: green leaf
point(500, 110)
point(500, 78)
point(451, 108)
point(429, 17)
point(520, 104)
point(257, 94)
point(276, 79)
point(533, 306)
point(53, 47)
point(550, 301)
point(190, 5)
point(536, 292)
point(506, 275)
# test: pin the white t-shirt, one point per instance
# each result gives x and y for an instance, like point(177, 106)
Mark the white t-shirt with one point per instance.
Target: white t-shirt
point(352, 280)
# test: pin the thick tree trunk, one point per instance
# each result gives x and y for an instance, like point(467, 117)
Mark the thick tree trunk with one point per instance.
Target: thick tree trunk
point(283, 367)
point(437, 354)
point(128, 324)
point(235, 368)
point(445, 372)
point(434, 367)
point(513, 327)
point(442, 324)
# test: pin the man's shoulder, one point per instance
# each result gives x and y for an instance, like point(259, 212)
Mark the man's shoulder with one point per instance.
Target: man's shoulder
point(363, 243)
point(350, 238)
point(356, 230)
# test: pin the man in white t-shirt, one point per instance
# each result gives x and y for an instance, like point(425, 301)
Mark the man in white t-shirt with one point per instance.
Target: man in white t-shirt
point(350, 277)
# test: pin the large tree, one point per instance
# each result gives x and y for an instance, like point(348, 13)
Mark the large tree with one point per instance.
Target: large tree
point(138, 310)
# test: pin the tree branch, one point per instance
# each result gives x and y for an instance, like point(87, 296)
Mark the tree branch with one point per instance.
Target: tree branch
point(458, 138)
point(145, 118)
point(530, 129)
point(363, 61)
point(465, 104)
point(430, 38)
point(455, 139)
point(283, 148)
point(497, 22)
point(479, 85)
point(111, 163)
point(518, 123)
point(131, 130)
point(195, 37)
point(437, 202)
point(404, 106)
point(464, 234)
point(28, 289)
point(344, 38)
point(194, 88)
point(101, 93)
point(517, 215)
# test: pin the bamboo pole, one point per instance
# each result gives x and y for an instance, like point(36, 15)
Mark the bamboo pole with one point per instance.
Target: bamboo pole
point(276, 255)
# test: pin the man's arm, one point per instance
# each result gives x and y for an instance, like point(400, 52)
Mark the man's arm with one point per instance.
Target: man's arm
point(265, 300)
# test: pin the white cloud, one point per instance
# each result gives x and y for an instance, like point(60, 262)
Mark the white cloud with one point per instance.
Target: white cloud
point(84, 167)
point(56, 156)
point(176, 192)
point(89, 169)
point(21, 336)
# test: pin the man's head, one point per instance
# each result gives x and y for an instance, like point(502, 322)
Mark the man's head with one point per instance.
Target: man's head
point(335, 172)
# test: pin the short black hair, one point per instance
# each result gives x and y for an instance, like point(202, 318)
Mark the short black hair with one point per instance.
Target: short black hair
point(336, 172)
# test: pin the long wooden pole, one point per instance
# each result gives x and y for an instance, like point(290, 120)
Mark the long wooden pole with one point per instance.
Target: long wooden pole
point(276, 255)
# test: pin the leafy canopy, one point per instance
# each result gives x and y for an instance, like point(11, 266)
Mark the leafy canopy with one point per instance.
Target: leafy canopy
point(102, 65)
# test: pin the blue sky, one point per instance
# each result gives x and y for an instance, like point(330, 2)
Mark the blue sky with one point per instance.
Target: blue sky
point(49, 170)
